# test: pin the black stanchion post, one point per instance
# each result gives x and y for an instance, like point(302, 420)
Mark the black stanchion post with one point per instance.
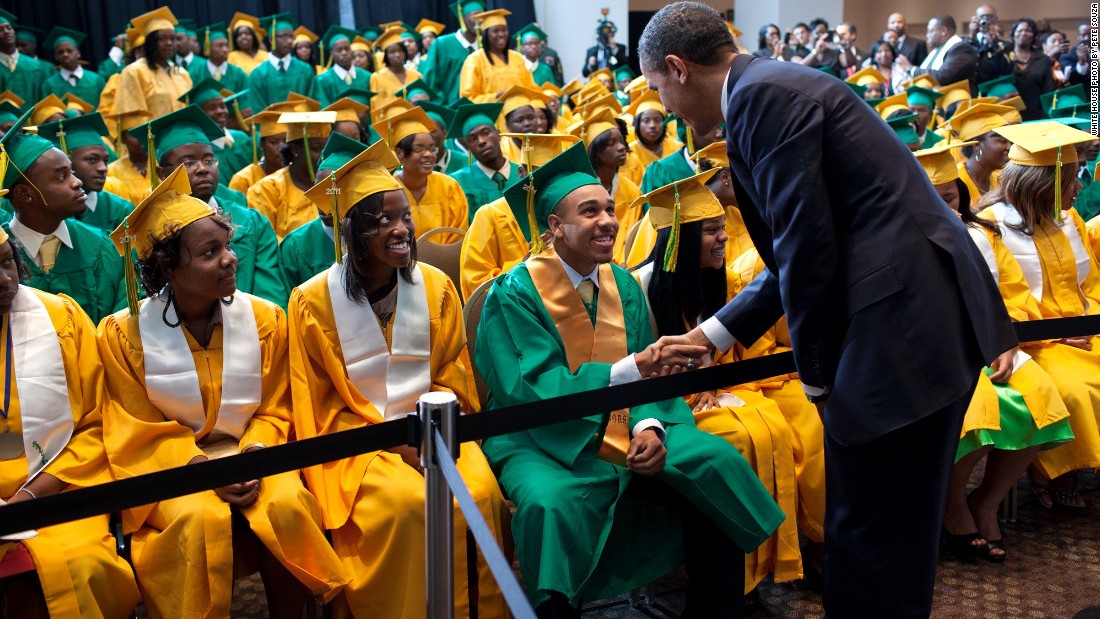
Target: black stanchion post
point(438, 410)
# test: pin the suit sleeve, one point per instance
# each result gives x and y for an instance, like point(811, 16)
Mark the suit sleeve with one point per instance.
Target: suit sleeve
point(958, 64)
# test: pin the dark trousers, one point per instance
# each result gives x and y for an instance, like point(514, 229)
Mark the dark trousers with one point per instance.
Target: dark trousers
point(884, 509)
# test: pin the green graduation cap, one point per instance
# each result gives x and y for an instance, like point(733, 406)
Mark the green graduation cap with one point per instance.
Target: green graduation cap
point(528, 32)
point(463, 7)
point(918, 95)
point(359, 95)
point(204, 91)
point(371, 33)
point(27, 33)
point(859, 90)
point(59, 35)
point(439, 113)
point(334, 35)
point(468, 117)
point(339, 149)
point(410, 32)
point(186, 25)
point(532, 198)
point(999, 87)
point(70, 133)
point(827, 69)
point(9, 113)
point(416, 87)
point(1074, 116)
point(213, 32)
point(278, 22)
point(7, 18)
point(875, 102)
point(189, 125)
point(624, 72)
point(22, 150)
point(903, 126)
point(1065, 97)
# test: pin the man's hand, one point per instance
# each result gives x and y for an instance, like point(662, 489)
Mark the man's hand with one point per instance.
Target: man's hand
point(1084, 343)
point(591, 62)
point(241, 495)
point(903, 64)
point(669, 355)
point(646, 455)
point(1002, 366)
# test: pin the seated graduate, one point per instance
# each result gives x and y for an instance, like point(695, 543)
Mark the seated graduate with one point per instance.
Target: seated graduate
point(62, 254)
point(199, 370)
point(344, 323)
point(233, 148)
point(680, 163)
point(519, 115)
point(81, 138)
point(498, 238)
point(52, 440)
point(611, 501)
point(129, 176)
point(435, 199)
point(329, 86)
point(685, 281)
point(652, 141)
point(475, 128)
point(266, 157)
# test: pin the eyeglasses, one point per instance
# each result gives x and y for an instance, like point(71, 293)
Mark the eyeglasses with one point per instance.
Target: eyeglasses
point(191, 164)
point(420, 148)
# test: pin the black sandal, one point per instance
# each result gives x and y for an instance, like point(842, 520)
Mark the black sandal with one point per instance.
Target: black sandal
point(1069, 498)
point(963, 546)
point(991, 546)
point(1040, 489)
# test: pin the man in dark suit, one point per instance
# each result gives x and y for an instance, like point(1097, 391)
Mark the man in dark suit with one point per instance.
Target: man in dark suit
point(911, 47)
point(1075, 62)
point(890, 310)
point(606, 53)
point(951, 59)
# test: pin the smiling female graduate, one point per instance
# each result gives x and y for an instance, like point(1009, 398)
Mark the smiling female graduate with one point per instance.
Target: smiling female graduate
point(199, 371)
point(344, 323)
point(493, 69)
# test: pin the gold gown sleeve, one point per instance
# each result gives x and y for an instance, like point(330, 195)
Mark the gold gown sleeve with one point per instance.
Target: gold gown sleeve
point(493, 244)
point(452, 369)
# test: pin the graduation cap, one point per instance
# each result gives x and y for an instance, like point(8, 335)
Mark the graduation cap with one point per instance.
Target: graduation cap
point(47, 107)
point(359, 44)
point(303, 34)
point(414, 88)
point(12, 98)
point(391, 36)
point(331, 37)
point(206, 90)
point(158, 19)
point(863, 77)
point(978, 120)
point(245, 20)
point(189, 125)
point(595, 105)
point(392, 108)
point(410, 32)
point(573, 86)
point(682, 202)
point(268, 122)
point(212, 32)
point(714, 154)
point(519, 96)
point(306, 125)
point(539, 148)
point(1074, 116)
point(364, 175)
point(400, 126)
point(954, 92)
point(552, 89)
point(893, 103)
point(427, 25)
point(9, 113)
point(859, 90)
point(919, 95)
point(7, 18)
point(647, 101)
point(903, 126)
point(999, 87)
point(20, 150)
point(279, 22)
point(28, 33)
point(471, 116)
point(493, 18)
point(233, 102)
point(347, 110)
point(186, 26)
point(339, 149)
point(441, 114)
point(71, 133)
point(624, 72)
point(601, 74)
point(530, 32)
point(828, 70)
point(541, 190)
point(594, 125)
point(1045, 143)
point(637, 86)
point(371, 33)
point(924, 80)
point(591, 90)
point(358, 94)
point(59, 35)
point(939, 163)
point(1065, 97)
point(464, 7)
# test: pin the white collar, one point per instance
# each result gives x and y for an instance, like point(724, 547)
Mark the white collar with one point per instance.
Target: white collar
point(277, 62)
point(329, 231)
point(949, 43)
point(489, 171)
point(217, 67)
point(79, 73)
point(725, 94)
point(32, 239)
point(15, 55)
point(687, 157)
point(91, 199)
point(531, 64)
point(116, 54)
point(188, 58)
point(342, 73)
point(576, 278)
point(464, 42)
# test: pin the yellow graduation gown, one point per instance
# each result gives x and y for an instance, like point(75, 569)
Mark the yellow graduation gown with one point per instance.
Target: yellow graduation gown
point(739, 240)
point(482, 82)
point(374, 502)
point(493, 245)
point(246, 62)
point(285, 516)
point(625, 192)
point(384, 84)
point(443, 205)
point(279, 199)
point(141, 89)
point(78, 568)
point(248, 176)
point(640, 157)
point(124, 180)
point(975, 193)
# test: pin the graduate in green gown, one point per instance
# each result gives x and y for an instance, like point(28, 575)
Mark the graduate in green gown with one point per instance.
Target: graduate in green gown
point(282, 73)
point(62, 254)
point(343, 74)
point(184, 138)
point(612, 501)
point(484, 180)
point(70, 77)
point(233, 149)
point(922, 102)
point(529, 41)
point(443, 66)
point(450, 160)
point(678, 165)
point(81, 138)
point(29, 74)
point(216, 65)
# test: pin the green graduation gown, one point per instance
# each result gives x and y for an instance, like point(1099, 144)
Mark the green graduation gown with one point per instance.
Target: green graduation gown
point(305, 252)
point(328, 85)
point(109, 211)
point(234, 78)
point(666, 170)
point(579, 529)
point(27, 81)
point(233, 159)
point(930, 139)
point(442, 68)
point(109, 67)
point(268, 85)
point(257, 251)
point(480, 189)
point(88, 87)
point(543, 74)
point(91, 272)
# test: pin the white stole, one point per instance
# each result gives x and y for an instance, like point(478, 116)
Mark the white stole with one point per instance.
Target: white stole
point(644, 274)
point(43, 391)
point(984, 246)
point(172, 381)
point(1023, 248)
point(392, 378)
point(935, 58)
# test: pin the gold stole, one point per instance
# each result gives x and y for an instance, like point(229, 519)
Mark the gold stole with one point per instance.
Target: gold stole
point(603, 343)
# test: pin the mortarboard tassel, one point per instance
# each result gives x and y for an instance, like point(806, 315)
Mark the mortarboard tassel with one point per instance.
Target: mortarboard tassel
point(334, 191)
point(687, 134)
point(1058, 188)
point(255, 145)
point(206, 43)
point(118, 135)
point(477, 31)
point(321, 48)
point(61, 137)
point(151, 163)
point(309, 155)
point(536, 245)
point(129, 269)
point(3, 163)
point(672, 250)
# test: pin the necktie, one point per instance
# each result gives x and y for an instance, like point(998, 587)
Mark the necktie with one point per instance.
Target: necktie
point(47, 252)
point(282, 66)
point(500, 180)
point(72, 79)
point(587, 291)
point(217, 74)
point(11, 64)
point(347, 78)
point(931, 59)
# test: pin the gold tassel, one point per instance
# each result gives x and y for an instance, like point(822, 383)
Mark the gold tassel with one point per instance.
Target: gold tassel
point(1058, 188)
point(477, 32)
point(687, 133)
point(255, 143)
point(321, 48)
point(129, 269)
point(536, 245)
point(151, 162)
point(206, 43)
point(3, 163)
point(334, 191)
point(309, 155)
point(673, 248)
point(61, 137)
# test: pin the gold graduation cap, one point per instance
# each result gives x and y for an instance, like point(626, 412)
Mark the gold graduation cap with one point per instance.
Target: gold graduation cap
point(1045, 143)
point(893, 103)
point(306, 125)
point(715, 154)
point(538, 148)
point(157, 19)
point(489, 19)
point(400, 126)
point(863, 77)
point(645, 102)
point(392, 108)
point(954, 92)
point(303, 34)
point(347, 109)
point(978, 119)
point(427, 25)
point(938, 162)
point(679, 203)
point(592, 126)
point(924, 80)
point(47, 107)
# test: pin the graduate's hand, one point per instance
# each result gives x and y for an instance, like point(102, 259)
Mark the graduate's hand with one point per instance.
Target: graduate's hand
point(409, 455)
point(1002, 366)
point(1084, 343)
point(646, 455)
point(241, 495)
point(705, 401)
point(668, 355)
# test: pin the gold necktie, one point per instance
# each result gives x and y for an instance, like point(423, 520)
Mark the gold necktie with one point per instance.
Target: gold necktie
point(587, 290)
point(347, 78)
point(47, 252)
point(11, 64)
point(217, 74)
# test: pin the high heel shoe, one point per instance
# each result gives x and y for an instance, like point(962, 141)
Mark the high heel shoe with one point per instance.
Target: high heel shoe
point(963, 546)
point(992, 545)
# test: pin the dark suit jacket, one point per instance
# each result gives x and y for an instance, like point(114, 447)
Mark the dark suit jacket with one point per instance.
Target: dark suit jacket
point(916, 50)
point(887, 299)
point(959, 63)
point(620, 57)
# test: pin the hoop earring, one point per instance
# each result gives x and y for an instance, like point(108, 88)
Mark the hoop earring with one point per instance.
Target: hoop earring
point(169, 303)
point(228, 300)
point(978, 155)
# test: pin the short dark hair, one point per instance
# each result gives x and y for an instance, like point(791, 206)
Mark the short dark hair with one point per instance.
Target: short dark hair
point(946, 21)
point(406, 144)
point(815, 22)
point(850, 25)
point(692, 30)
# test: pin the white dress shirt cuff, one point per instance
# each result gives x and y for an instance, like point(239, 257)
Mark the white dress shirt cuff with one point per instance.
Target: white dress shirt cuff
point(116, 54)
point(649, 423)
point(717, 333)
point(625, 370)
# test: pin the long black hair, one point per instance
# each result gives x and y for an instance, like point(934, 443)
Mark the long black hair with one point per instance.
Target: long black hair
point(485, 46)
point(689, 293)
point(20, 265)
point(359, 225)
point(968, 214)
point(150, 47)
point(603, 141)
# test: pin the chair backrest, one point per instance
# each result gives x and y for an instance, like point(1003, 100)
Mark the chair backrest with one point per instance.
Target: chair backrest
point(630, 236)
point(471, 316)
point(443, 257)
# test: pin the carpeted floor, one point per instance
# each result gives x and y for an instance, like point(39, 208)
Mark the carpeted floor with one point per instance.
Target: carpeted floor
point(1052, 572)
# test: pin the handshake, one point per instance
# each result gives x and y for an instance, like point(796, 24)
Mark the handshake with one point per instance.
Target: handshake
point(673, 354)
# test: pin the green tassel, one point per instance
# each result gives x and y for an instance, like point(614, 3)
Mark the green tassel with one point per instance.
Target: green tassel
point(130, 270)
point(673, 248)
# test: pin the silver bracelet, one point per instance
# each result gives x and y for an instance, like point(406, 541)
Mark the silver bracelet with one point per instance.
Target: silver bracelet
point(33, 496)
